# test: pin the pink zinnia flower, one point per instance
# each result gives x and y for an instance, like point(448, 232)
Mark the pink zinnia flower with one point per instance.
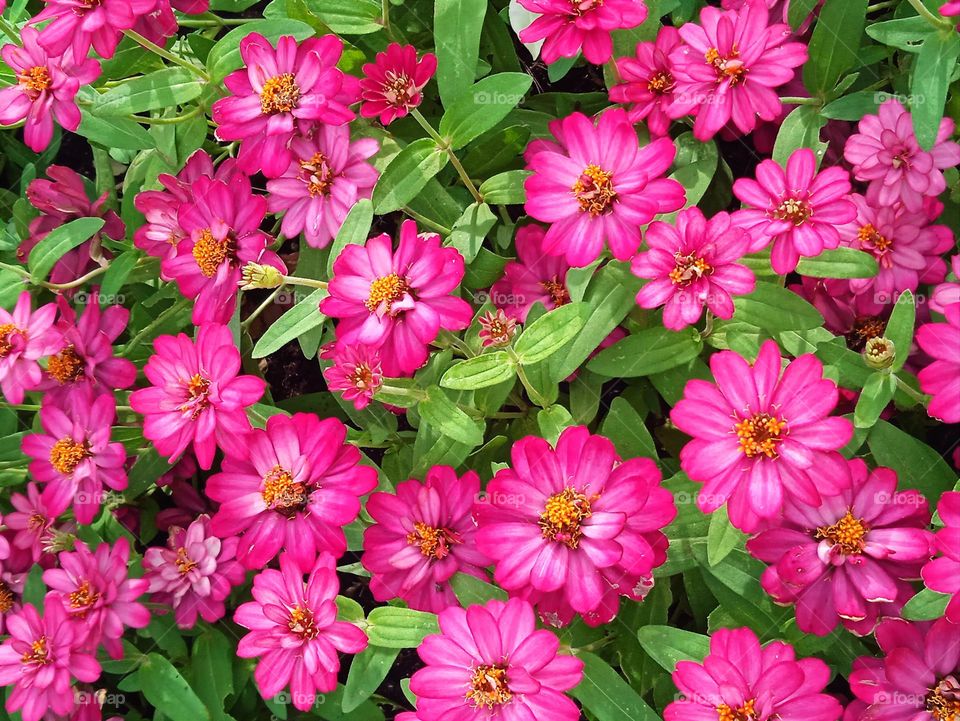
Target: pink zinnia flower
point(293, 485)
point(94, 588)
point(422, 535)
point(569, 26)
point(393, 84)
point(886, 154)
point(946, 294)
point(573, 528)
point(32, 522)
point(648, 85)
point(328, 174)
point(597, 184)
point(760, 435)
point(196, 395)
point(534, 277)
point(25, 337)
point(731, 65)
point(855, 317)
point(849, 560)
point(397, 301)
point(941, 379)
point(280, 91)
point(160, 22)
point(222, 225)
point(46, 89)
point(491, 662)
point(692, 265)
point(797, 209)
point(41, 659)
point(294, 631)
point(740, 679)
point(497, 329)
point(355, 373)
point(950, 9)
point(78, 24)
point(194, 573)
point(11, 593)
point(943, 574)
point(74, 455)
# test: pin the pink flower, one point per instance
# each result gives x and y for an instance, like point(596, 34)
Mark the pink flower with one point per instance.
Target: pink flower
point(760, 436)
point(294, 631)
point(196, 395)
point(222, 225)
point(74, 455)
point(32, 521)
point(692, 265)
point(328, 174)
point(421, 537)
point(496, 329)
point(731, 65)
point(569, 26)
point(941, 379)
point(25, 337)
point(393, 84)
point(292, 486)
point(849, 560)
point(797, 210)
point(194, 573)
point(740, 679)
point(160, 23)
point(94, 588)
point(572, 529)
point(886, 154)
point(11, 593)
point(535, 277)
point(597, 184)
point(491, 662)
point(78, 24)
point(355, 373)
point(857, 318)
point(280, 91)
point(46, 89)
point(41, 659)
point(397, 302)
point(946, 294)
point(648, 84)
point(943, 574)
point(950, 8)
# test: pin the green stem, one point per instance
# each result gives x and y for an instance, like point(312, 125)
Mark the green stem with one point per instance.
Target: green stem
point(445, 147)
point(138, 339)
point(385, 12)
point(876, 7)
point(19, 406)
point(75, 283)
point(10, 31)
point(935, 20)
point(425, 221)
point(908, 391)
point(166, 54)
point(260, 308)
point(309, 282)
point(800, 101)
point(522, 375)
point(167, 121)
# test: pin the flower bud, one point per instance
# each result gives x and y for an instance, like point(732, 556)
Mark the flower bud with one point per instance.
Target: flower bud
point(255, 276)
point(879, 353)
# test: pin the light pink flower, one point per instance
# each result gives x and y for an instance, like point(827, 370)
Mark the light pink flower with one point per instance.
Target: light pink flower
point(80, 24)
point(570, 26)
point(355, 373)
point(946, 294)
point(596, 184)
point(648, 85)
point(25, 337)
point(692, 265)
point(393, 84)
point(11, 592)
point(943, 574)
point(534, 277)
point(32, 522)
point(761, 435)
point(941, 379)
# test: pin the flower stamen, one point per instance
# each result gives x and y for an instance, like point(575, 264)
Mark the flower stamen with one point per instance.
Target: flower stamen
point(594, 190)
point(488, 687)
point(846, 534)
point(434, 543)
point(689, 269)
point(563, 516)
point(7, 333)
point(386, 291)
point(282, 493)
point(66, 366)
point(760, 434)
point(67, 454)
point(280, 94)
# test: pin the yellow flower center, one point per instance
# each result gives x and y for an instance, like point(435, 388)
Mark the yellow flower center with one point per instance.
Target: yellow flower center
point(558, 291)
point(83, 597)
point(760, 434)
point(689, 269)
point(66, 455)
point(7, 332)
point(728, 68)
point(280, 94)
point(864, 328)
point(872, 241)
point(387, 291)
point(563, 515)
point(38, 654)
point(744, 713)
point(282, 493)
point(302, 623)
point(594, 190)
point(794, 210)
point(433, 542)
point(661, 83)
point(943, 702)
point(210, 252)
point(6, 598)
point(35, 80)
point(488, 687)
point(185, 564)
point(847, 534)
point(198, 392)
point(66, 366)
point(318, 176)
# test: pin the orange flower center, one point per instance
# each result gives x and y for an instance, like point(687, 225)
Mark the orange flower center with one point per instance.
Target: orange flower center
point(83, 597)
point(7, 332)
point(847, 534)
point(661, 83)
point(793, 210)
point(185, 564)
point(943, 701)
point(36, 522)
point(66, 366)
point(760, 434)
point(302, 623)
point(563, 516)
point(874, 243)
point(318, 176)
point(66, 455)
point(728, 68)
point(280, 94)
point(282, 493)
point(211, 252)
point(433, 542)
point(38, 654)
point(557, 290)
point(689, 269)
point(35, 80)
point(594, 190)
point(744, 713)
point(6, 598)
point(488, 687)
point(386, 291)
point(864, 328)
point(198, 396)
point(362, 377)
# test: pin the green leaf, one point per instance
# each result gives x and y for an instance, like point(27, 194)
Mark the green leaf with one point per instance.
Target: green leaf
point(456, 37)
point(167, 691)
point(470, 229)
point(605, 694)
point(482, 106)
point(481, 371)
point(839, 263)
point(58, 242)
point(929, 83)
point(668, 646)
point(696, 164)
point(394, 627)
point(926, 606)
point(470, 590)
point(354, 231)
point(722, 537)
point(159, 89)
point(900, 327)
point(34, 589)
point(649, 351)
point(211, 673)
point(348, 17)
point(302, 318)
point(625, 427)
point(407, 174)
point(114, 132)
point(800, 129)
point(835, 43)
point(367, 671)
point(224, 57)
point(443, 414)
point(917, 464)
point(505, 188)
point(549, 333)
point(907, 34)
point(876, 395)
point(799, 11)
point(552, 421)
point(853, 106)
point(776, 309)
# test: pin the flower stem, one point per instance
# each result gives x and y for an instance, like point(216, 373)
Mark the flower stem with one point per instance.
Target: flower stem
point(167, 121)
point(10, 31)
point(910, 392)
point(19, 406)
point(923, 12)
point(260, 308)
point(800, 101)
point(522, 375)
point(385, 12)
point(138, 339)
point(166, 54)
point(445, 146)
point(424, 220)
point(309, 282)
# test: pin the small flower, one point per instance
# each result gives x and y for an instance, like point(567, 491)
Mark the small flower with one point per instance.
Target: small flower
point(648, 84)
point(25, 337)
point(78, 24)
point(393, 84)
point(950, 8)
point(946, 294)
point(941, 378)
point(879, 353)
point(491, 662)
point(943, 574)
point(497, 329)
point(355, 373)
point(294, 632)
point(254, 276)
point(11, 594)
point(535, 277)
point(32, 521)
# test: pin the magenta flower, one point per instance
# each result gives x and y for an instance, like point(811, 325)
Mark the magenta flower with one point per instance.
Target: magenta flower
point(491, 662)
point(885, 153)
point(294, 631)
point(25, 337)
point(941, 379)
point(94, 588)
point(648, 85)
point(740, 679)
point(849, 560)
point(79, 24)
point(281, 91)
point(160, 22)
point(946, 294)
point(194, 573)
point(327, 176)
point(597, 184)
point(355, 373)
point(222, 225)
point(393, 84)
point(797, 210)
point(950, 8)
point(855, 317)
point(32, 522)
point(46, 89)
point(692, 265)
point(731, 65)
point(196, 395)
point(497, 329)
point(943, 574)
point(293, 485)
point(572, 529)
point(41, 659)
point(397, 302)
point(569, 26)
point(421, 537)
point(11, 592)
point(760, 436)
point(534, 277)
point(74, 455)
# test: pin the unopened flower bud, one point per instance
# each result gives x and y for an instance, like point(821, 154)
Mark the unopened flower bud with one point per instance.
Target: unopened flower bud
point(255, 276)
point(879, 353)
